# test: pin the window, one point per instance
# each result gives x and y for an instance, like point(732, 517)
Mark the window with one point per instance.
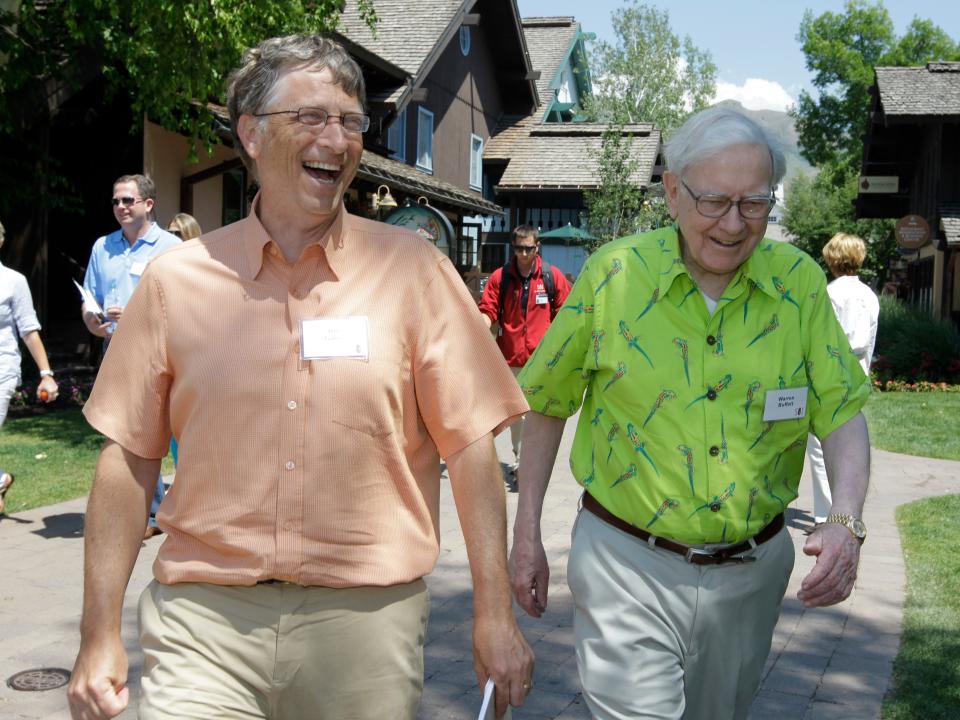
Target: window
point(476, 162)
point(465, 41)
point(425, 139)
point(397, 137)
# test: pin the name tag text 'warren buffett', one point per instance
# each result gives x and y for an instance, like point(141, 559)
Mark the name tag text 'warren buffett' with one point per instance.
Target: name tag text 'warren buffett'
point(785, 404)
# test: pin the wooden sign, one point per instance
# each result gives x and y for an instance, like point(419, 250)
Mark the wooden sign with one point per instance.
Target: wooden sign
point(912, 232)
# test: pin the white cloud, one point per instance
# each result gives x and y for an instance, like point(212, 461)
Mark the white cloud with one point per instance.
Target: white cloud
point(756, 94)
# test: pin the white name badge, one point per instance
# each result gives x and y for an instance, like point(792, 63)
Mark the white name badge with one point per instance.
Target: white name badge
point(786, 404)
point(327, 338)
point(542, 299)
point(137, 268)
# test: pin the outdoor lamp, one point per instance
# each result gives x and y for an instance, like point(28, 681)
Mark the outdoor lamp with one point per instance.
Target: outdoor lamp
point(382, 201)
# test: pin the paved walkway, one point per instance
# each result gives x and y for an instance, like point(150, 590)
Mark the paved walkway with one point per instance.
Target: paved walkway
point(826, 663)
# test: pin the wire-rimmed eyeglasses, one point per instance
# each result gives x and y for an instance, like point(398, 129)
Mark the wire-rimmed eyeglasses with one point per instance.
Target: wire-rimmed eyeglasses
point(753, 207)
point(318, 117)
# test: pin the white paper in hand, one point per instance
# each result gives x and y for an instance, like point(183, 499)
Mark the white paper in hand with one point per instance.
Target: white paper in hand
point(88, 300)
point(488, 709)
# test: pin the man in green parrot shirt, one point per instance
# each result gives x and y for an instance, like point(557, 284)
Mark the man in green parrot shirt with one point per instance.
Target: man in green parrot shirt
point(699, 357)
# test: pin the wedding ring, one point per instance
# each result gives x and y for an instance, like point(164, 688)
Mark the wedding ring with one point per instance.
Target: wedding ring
point(527, 685)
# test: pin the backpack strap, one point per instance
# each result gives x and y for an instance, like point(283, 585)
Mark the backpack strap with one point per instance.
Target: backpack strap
point(505, 280)
point(546, 271)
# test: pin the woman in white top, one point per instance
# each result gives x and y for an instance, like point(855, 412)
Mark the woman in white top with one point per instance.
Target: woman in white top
point(857, 308)
point(18, 318)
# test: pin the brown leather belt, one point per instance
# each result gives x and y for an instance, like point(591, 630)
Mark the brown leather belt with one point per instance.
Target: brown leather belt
point(693, 555)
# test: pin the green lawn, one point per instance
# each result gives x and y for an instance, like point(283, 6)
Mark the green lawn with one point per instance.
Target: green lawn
point(52, 456)
point(926, 424)
point(926, 673)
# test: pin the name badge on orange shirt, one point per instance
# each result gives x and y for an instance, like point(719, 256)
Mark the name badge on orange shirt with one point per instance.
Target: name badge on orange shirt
point(328, 338)
point(786, 404)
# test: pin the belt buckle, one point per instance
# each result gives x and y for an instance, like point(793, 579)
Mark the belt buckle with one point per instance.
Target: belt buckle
point(717, 556)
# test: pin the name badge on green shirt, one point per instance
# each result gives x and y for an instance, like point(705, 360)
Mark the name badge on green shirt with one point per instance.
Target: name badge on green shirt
point(785, 404)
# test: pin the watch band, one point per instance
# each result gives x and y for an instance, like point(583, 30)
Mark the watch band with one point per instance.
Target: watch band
point(46, 373)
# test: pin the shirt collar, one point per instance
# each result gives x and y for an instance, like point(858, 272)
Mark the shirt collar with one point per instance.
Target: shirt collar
point(150, 237)
point(755, 269)
point(256, 239)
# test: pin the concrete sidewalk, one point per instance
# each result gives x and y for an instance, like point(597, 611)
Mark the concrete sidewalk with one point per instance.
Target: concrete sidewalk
point(825, 663)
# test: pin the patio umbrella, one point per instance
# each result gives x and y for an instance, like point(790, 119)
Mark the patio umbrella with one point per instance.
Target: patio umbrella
point(567, 232)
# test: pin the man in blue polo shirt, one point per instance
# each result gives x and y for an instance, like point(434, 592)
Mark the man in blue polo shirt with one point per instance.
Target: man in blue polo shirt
point(116, 263)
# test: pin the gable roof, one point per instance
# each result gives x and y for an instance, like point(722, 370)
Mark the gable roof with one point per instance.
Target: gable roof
point(913, 92)
point(549, 42)
point(413, 35)
point(406, 31)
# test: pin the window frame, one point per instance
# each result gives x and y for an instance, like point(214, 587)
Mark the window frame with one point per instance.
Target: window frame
point(423, 114)
point(399, 125)
point(476, 172)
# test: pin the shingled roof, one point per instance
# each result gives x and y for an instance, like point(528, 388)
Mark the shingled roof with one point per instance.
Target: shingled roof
point(564, 157)
point(933, 90)
point(408, 31)
point(549, 40)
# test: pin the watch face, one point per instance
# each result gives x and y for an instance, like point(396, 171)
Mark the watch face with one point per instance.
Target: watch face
point(859, 529)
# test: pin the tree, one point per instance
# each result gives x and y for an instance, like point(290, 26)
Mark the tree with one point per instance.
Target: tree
point(841, 50)
point(819, 207)
point(168, 58)
point(649, 74)
point(619, 206)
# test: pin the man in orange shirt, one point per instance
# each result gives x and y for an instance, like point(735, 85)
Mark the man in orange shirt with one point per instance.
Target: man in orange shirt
point(313, 395)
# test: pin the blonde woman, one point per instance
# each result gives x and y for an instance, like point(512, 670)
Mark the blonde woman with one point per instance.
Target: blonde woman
point(184, 227)
point(857, 308)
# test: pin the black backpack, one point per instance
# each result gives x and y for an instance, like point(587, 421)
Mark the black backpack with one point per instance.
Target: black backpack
point(546, 270)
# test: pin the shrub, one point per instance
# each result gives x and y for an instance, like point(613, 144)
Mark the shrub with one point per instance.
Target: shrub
point(913, 346)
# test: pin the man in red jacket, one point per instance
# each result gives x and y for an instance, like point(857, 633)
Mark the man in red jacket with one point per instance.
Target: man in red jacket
point(523, 302)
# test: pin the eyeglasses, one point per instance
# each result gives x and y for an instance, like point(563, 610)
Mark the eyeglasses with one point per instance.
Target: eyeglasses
point(317, 118)
point(174, 231)
point(753, 207)
point(524, 249)
point(126, 201)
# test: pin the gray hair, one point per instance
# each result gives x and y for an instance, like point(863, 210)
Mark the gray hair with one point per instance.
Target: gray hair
point(251, 86)
point(715, 129)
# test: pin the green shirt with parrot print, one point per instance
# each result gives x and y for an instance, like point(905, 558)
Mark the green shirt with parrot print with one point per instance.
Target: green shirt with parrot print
point(672, 436)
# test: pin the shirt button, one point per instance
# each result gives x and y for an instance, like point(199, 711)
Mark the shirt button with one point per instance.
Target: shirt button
point(711, 340)
point(290, 465)
point(292, 405)
point(714, 450)
point(711, 394)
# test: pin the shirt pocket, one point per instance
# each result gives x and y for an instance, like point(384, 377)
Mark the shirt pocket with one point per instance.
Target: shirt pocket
point(363, 396)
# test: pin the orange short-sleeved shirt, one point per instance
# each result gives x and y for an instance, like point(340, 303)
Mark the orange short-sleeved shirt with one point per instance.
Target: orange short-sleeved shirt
point(319, 472)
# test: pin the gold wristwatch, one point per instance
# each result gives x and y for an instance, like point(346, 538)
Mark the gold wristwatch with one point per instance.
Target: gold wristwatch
point(853, 524)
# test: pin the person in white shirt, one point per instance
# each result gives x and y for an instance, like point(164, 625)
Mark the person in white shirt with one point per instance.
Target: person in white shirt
point(18, 319)
point(858, 309)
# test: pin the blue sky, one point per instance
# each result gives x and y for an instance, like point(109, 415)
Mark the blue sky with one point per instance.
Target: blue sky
point(753, 43)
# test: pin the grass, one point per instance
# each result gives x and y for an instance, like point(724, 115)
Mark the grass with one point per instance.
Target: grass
point(926, 673)
point(53, 457)
point(924, 424)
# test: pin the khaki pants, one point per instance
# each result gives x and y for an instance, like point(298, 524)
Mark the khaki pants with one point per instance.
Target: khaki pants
point(657, 637)
point(516, 430)
point(282, 651)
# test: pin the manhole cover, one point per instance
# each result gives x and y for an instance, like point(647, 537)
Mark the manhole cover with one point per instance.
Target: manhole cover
point(39, 679)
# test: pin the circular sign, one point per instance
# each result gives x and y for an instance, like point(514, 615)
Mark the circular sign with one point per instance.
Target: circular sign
point(427, 221)
point(912, 232)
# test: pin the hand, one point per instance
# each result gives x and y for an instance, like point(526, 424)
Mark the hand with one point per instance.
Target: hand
point(500, 652)
point(98, 686)
point(113, 313)
point(92, 321)
point(529, 575)
point(832, 578)
point(49, 386)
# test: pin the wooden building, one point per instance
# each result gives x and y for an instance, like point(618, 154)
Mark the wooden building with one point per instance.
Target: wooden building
point(912, 155)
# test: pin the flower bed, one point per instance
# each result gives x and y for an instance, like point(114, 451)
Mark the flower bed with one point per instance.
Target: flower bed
point(74, 391)
point(920, 386)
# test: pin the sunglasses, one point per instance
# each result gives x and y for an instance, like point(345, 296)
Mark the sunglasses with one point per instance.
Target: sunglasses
point(524, 249)
point(126, 201)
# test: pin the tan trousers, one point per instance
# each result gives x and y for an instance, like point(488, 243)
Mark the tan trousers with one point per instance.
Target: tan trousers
point(659, 638)
point(516, 430)
point(282, 651)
